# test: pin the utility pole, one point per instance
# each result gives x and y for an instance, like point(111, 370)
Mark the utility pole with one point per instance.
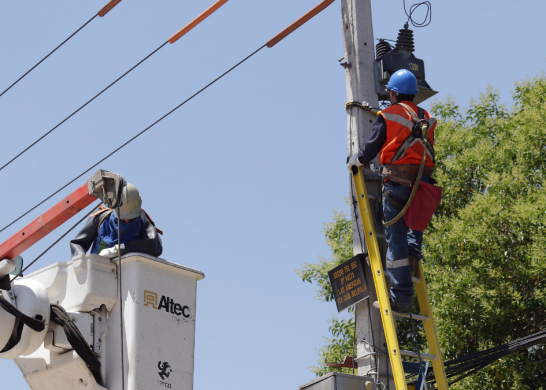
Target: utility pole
point(359, 70)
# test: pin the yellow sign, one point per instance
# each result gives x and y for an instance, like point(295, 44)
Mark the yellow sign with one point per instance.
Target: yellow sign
point(348, 282)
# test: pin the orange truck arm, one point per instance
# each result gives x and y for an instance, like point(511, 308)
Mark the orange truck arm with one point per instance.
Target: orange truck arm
point(103, 184)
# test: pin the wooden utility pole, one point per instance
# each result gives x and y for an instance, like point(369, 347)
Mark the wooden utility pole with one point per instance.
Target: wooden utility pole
point(359, 68)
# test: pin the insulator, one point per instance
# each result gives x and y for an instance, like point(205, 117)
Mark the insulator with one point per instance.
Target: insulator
point(381, 49)
point(405, 40)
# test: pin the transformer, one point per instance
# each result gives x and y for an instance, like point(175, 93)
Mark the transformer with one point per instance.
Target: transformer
point(389, 60)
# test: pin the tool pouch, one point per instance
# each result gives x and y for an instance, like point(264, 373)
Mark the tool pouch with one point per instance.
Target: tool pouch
point(424, 204)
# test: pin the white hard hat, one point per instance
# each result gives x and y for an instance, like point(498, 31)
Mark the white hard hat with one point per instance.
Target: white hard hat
point(130, 203)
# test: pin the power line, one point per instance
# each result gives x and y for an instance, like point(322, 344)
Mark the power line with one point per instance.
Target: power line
point(186, 29)
point(136, 136)
point(102, 12)
point(468, 365)
point(81, 107)
point(43, 59)
point(272, 42)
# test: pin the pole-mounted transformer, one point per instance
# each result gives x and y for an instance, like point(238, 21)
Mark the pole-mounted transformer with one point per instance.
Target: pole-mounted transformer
point(389, 60)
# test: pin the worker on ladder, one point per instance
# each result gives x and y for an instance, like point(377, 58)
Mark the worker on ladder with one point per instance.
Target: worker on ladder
point(138, 231)
point(400, 154)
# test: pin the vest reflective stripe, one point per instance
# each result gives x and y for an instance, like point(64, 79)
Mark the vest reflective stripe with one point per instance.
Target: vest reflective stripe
point(407, 123)
point(401, 147)
point(429, 153)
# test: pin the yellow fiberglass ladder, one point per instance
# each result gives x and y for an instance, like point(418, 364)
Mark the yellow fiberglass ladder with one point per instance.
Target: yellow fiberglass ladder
point(395, 354)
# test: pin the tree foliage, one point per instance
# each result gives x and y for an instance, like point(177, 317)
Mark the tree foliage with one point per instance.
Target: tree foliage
point(339, 237)
point(485, 249)
point(486, 246)
point(337, 347)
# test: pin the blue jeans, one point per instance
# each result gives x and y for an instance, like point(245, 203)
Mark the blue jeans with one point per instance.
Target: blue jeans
point(403, 242)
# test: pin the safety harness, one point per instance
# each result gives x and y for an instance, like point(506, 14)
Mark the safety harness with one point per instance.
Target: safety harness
point(416, 134)
point(419, 131)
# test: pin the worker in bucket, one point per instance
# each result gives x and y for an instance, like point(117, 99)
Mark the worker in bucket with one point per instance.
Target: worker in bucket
point(400, 145)
point(138, 231)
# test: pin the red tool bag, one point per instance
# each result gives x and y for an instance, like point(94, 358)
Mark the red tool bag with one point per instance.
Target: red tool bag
point(424, 204)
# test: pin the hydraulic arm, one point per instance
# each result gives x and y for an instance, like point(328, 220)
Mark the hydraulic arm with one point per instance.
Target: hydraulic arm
point(103, 184)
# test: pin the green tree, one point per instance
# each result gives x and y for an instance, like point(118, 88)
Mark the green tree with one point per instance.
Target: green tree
point(339, 237)
point(485, 249)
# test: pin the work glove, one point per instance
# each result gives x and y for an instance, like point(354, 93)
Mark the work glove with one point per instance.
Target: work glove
point(354, 161)
point(110, 252)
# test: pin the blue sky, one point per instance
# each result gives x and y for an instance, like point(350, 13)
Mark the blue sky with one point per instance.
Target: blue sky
point(242, 178)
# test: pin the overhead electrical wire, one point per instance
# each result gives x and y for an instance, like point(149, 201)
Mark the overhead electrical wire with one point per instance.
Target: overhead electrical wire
point(272, 42)
point(81, 107)
point(132, 139)
point(103, 11)
point(50, 53)
point(172, 39)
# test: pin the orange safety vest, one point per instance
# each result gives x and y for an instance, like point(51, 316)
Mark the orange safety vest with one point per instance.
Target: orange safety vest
point(401, 146)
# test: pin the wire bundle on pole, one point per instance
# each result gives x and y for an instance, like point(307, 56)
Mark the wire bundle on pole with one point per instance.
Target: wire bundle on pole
point(468, 365)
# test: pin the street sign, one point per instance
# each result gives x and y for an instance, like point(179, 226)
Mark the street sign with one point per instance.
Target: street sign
point(349, 283)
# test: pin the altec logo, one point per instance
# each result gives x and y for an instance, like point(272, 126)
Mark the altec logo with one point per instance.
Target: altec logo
point(150, 299)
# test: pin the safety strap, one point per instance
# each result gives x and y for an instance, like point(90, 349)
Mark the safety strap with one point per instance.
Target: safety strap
point(416, 133)
point(104, 217)
point(390, 199)
point(151, 220)
point(102, 209)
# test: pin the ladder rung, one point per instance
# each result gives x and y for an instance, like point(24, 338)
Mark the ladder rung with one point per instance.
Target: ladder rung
point(374, 198)
point(417, 317)
point(414, 355)
point(415, 280)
